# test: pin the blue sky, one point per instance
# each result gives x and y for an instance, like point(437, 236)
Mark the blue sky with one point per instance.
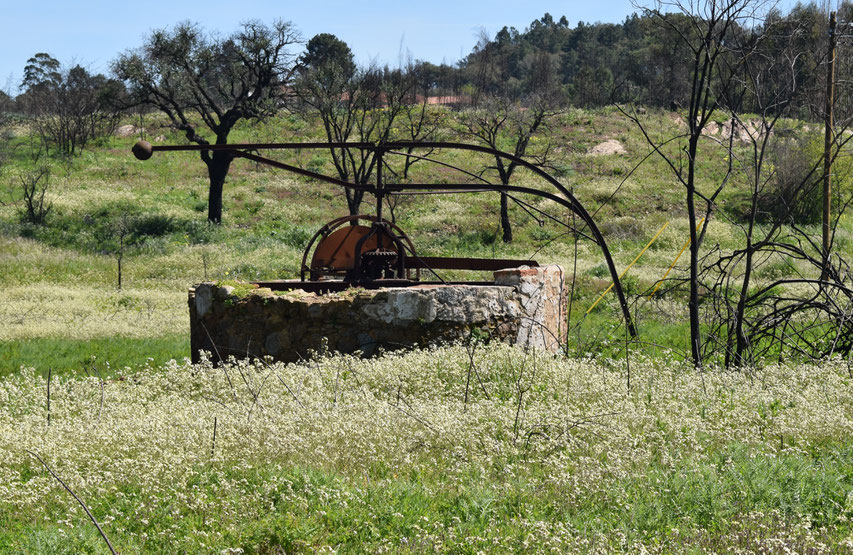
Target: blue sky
point(92, 32)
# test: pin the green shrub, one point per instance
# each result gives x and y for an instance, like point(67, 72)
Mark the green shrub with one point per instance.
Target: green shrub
point(296, 237)
point(477, 237)
point(201, 232)
point(152, 225)
point(599, 270)
point(316, 164)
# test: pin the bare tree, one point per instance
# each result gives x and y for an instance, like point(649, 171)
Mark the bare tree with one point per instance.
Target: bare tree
point(745, 60)
point(711, 24)
point(29, 195)
point(354, 105)
point(7, 104)
point(420, 121)
point(809, 310)
point(201, 81)
point(506, 125)
point(68, 108)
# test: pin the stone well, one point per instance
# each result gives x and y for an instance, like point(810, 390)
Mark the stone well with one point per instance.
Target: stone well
point(525, 306)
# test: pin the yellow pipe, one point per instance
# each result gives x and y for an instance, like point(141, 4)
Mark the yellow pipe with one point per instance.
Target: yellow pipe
point(674, 262)
point(625, 271)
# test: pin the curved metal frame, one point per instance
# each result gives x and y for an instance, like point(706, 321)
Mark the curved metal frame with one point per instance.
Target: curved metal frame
point(565, 198)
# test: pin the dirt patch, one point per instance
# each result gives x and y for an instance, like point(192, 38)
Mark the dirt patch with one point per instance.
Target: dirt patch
point(678, 121)
point(606, 148)
point(743, 132)
point(128, 131)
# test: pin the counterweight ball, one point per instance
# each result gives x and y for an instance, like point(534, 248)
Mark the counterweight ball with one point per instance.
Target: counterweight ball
point(142, 150)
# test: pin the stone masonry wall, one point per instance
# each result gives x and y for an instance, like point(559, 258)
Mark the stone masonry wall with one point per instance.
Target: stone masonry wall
point(525, 306)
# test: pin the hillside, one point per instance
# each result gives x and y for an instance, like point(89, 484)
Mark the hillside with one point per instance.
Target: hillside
point(61, 305)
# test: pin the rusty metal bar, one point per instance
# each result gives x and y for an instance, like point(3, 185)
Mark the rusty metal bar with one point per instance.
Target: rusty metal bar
point(477, 264)
point(260, 146)
point(300, 171)
point(443, 192)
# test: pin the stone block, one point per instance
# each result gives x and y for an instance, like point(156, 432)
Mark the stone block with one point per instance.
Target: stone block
point(525, 306)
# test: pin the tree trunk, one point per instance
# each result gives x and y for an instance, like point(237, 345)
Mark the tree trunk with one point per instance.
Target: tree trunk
point(740, 337)
point(693, 303)
point(505, 225)
point(354, 199)
point(741, 345)
point(217, 170)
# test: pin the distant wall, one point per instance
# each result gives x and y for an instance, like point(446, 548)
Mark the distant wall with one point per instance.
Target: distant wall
point(525, 306)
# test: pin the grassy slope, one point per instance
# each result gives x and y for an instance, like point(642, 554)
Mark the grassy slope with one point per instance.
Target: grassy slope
point(59, 281)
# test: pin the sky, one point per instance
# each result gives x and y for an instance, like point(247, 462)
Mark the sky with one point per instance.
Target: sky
point(91, 32)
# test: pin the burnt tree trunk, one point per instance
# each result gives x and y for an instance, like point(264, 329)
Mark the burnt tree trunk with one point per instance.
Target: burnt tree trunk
point(693, 303)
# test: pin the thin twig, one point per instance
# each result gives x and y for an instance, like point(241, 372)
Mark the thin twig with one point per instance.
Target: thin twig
point(213, 445)
point(49, 375)
point(222, 363)
point(74, 495)
point(627, 359)
point(471, 351)
point(292, 394)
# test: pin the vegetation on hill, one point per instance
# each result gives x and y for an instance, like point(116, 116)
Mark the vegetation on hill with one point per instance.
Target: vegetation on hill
point(724, 152)
point(644, 59)
point(60, 278)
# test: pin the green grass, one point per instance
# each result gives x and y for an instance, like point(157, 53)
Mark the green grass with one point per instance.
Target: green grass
point(385, 454)
point(743, 498)
point(71, 355)
point(708, 498)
